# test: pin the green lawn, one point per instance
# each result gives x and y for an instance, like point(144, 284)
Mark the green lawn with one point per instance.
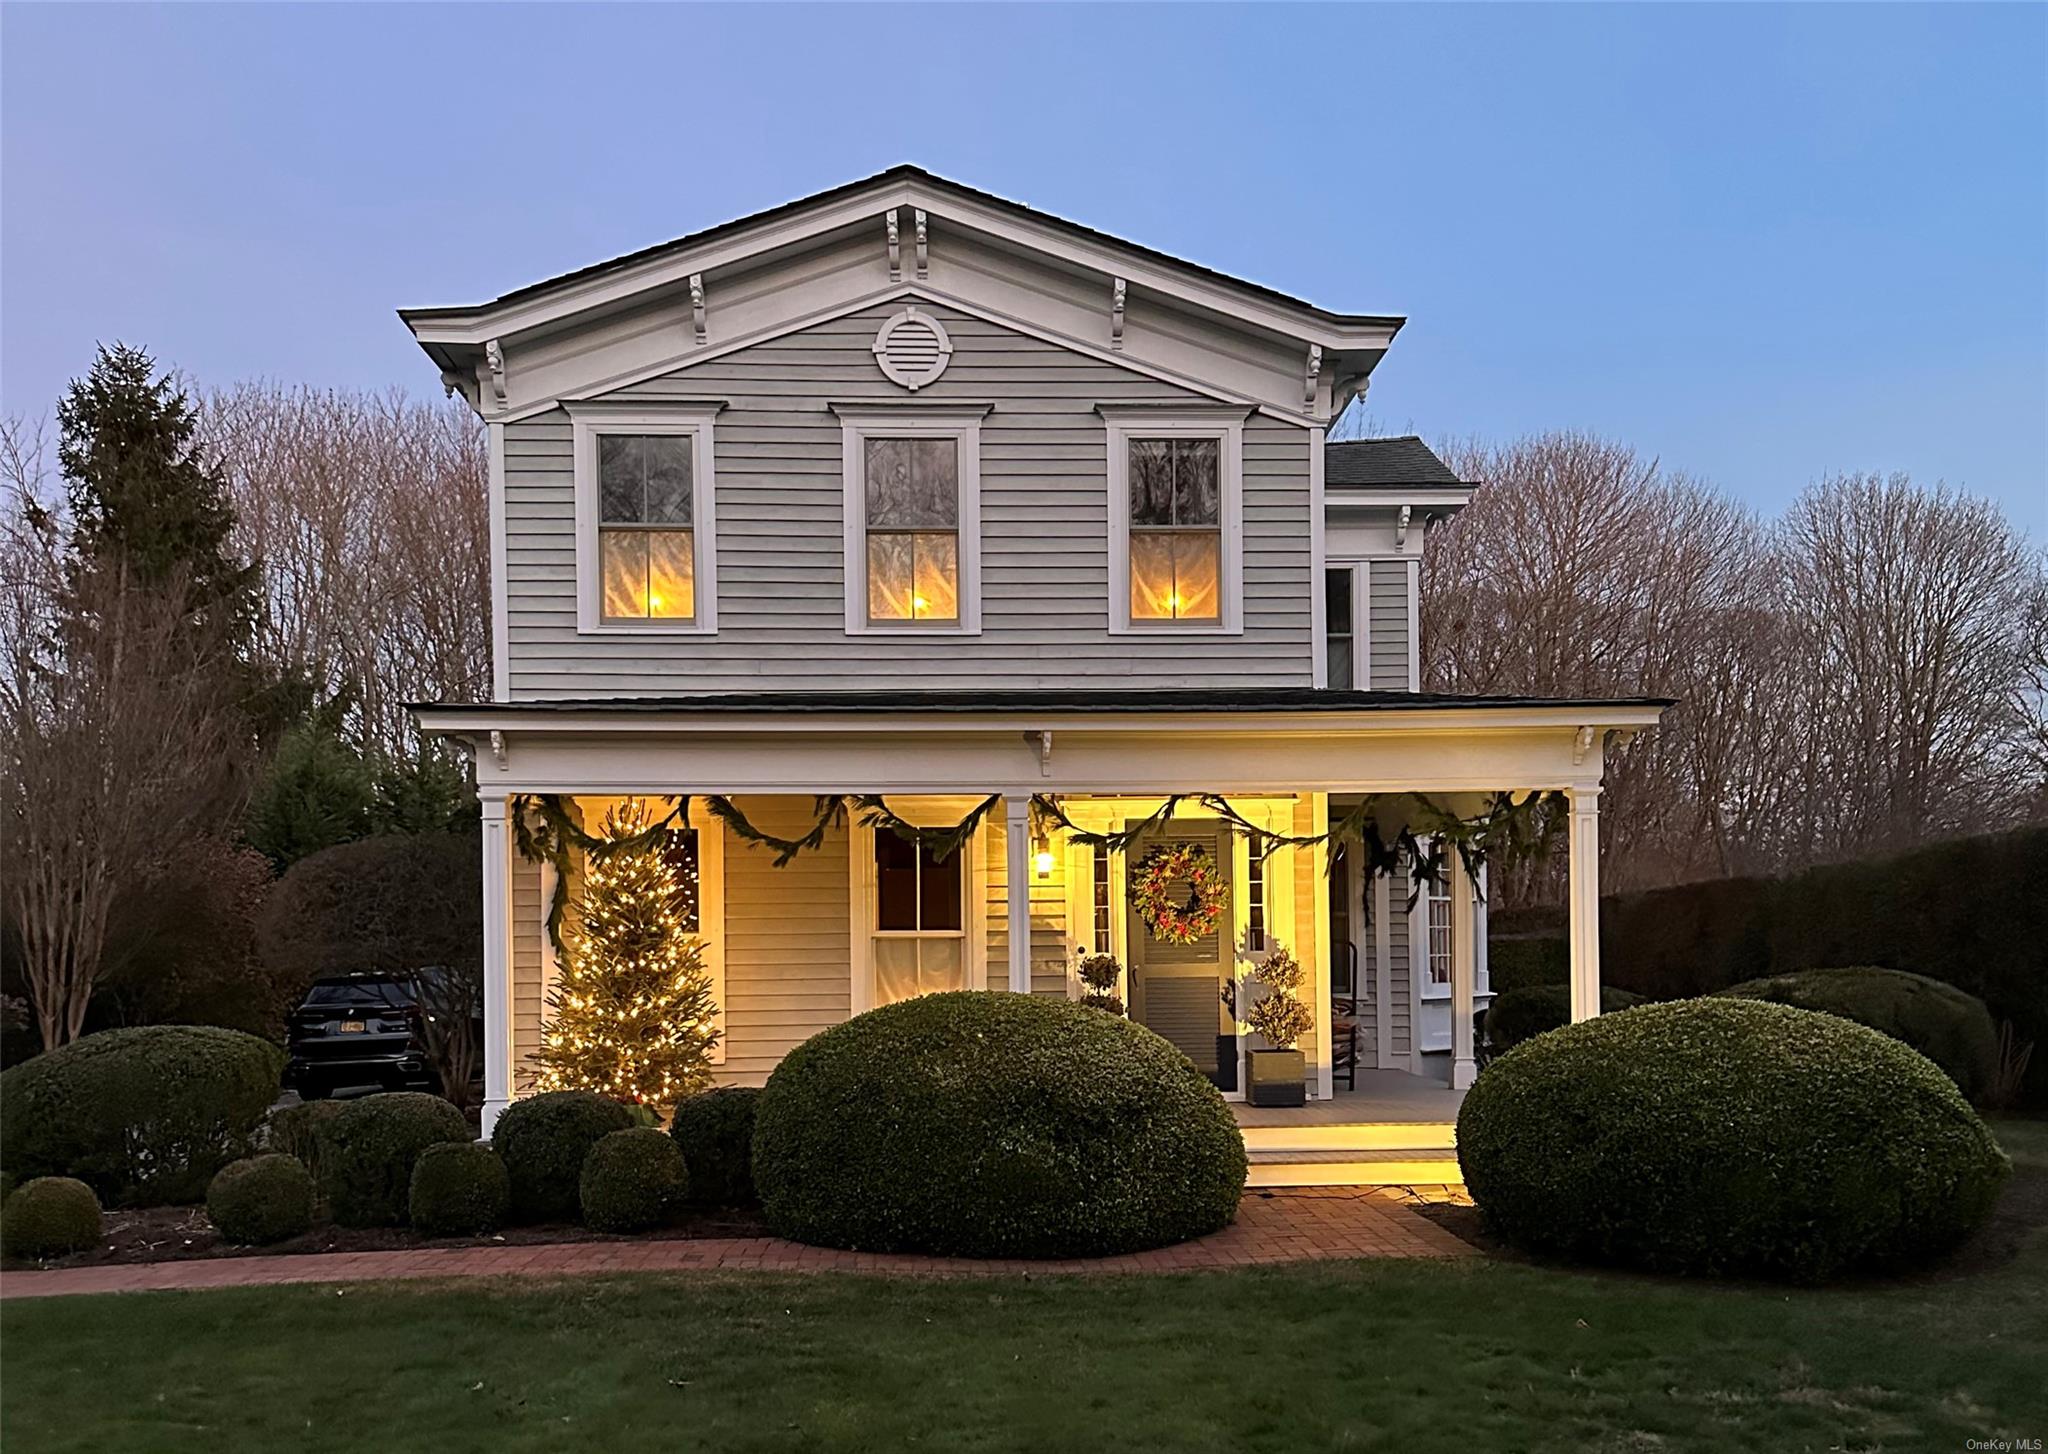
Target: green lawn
point(1396, 1355)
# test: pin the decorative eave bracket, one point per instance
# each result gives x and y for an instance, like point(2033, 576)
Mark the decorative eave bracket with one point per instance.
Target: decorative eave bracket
point(1116, 315)
point(889, 219)
point(698, 318)
point(1401, 527)
point(1311, 377)
point(924, 266)
point(1041, 743)
point(1583, 744)
point(494, 356)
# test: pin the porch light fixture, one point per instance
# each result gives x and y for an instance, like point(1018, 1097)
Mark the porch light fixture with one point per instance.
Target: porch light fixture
point(1041, 855)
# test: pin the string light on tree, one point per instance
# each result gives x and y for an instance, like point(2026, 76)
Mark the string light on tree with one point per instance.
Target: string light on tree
point(632, 1013)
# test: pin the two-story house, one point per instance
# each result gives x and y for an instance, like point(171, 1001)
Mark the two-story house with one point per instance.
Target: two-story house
point(905, 503)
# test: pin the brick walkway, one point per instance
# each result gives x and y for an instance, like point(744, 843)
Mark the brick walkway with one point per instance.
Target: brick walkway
point(1294, 1225)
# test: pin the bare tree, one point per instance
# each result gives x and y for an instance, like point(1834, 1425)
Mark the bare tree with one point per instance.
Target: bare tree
point(118, 744)
point(369, 514)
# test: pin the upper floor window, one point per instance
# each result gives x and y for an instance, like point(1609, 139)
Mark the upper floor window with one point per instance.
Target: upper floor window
point(913, 518)
point(1176, 519)
point(1339, 652)
point(644, 529)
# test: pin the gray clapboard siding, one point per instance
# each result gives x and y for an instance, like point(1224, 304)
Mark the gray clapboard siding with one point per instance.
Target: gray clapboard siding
point(781, 578)
point(1388, 626)
point(529, 923)
point(1401, 967)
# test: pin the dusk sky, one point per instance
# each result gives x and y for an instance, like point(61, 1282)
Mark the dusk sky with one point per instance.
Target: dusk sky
point(1761, 243)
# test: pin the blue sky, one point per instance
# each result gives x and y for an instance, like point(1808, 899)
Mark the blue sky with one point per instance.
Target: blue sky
point(1762, 243)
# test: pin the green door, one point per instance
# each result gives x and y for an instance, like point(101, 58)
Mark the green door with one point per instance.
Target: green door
point(1177, 989)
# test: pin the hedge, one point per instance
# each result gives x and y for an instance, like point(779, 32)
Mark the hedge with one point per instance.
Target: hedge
point(144, 1116)
point(262, 1199)
point(49, 1217)
point(1523, 1014)
point(1972, 913)
point(1949, 1027)
point(295, 1131)
point(632, 1180)
point(544, 1140)
point(715, 1132)
point(368, 1149)
point(996, 1125)
point(1726, 1136)
point(459, 1189)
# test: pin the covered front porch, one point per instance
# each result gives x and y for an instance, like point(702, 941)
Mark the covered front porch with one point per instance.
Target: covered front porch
point(815, 905)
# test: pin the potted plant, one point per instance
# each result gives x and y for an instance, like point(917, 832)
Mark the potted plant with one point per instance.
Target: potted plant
point(1102, 974)
point(1274, 1076)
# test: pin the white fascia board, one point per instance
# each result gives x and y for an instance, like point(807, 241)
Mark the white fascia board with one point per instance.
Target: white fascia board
point(1420, 496)
point(474, 326)
point(1437, 721)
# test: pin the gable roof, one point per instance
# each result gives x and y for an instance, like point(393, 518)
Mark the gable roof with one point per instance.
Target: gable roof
point(899, 185)
point(1401, 459)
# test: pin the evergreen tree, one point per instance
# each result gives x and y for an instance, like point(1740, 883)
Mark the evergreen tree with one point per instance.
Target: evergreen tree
point(631, 1014)
point(142, 500)
point(315, 792)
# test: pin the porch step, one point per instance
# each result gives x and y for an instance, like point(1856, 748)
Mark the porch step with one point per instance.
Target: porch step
point(1409, 1136)
point(1399, 1167)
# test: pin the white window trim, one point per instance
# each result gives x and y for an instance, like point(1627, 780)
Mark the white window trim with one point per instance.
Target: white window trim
point(973, 922)
point(958, 422)
point(1223, 425)
point(587, 421)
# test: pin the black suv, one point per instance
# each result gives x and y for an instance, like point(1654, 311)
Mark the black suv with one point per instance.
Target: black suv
point(358, 1029)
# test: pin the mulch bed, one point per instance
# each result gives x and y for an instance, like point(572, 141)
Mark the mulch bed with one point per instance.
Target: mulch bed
point(182, 1234)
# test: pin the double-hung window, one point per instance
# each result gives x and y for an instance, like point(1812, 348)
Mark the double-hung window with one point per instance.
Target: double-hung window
point(920, 919)
point(1176, 520)
point(644, 528)
point(913, 518)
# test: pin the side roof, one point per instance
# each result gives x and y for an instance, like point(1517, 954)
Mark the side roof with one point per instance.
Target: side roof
point(1389, 463)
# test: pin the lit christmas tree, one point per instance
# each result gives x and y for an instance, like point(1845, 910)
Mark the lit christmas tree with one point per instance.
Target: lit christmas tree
point(631, 1013)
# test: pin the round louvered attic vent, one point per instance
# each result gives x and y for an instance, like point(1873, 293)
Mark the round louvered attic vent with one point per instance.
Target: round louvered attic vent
point(913, 349)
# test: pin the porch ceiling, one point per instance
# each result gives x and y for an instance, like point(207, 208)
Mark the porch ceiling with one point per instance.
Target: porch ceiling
point(1055, 741)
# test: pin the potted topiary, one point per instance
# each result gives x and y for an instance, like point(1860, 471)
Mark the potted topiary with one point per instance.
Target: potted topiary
point(1102, 974)
point(1274, 1075)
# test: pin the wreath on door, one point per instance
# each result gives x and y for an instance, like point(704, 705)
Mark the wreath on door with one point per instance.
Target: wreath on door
point(1169, 916)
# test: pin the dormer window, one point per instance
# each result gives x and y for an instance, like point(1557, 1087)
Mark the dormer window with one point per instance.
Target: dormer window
point(1176, 513)
point(644, 526)
point(913, 518)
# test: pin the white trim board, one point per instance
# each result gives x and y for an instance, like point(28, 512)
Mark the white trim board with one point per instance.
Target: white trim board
point(1226, 427)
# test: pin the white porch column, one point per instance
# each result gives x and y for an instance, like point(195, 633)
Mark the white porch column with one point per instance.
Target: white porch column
point(1584, 893)
point(1017, 867)
point(497, 870)
point(1464, 970)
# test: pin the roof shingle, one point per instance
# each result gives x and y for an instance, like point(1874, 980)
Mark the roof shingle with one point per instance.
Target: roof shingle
point(1368, 463)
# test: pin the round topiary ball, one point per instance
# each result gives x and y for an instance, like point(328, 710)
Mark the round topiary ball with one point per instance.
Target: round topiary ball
point(368, 1148)
point(1951, 1027)
point(633, 1180)
point(994, 1125)
point(715, 1132)
point(1726, 1136)
point(49, 1217)
point(459, 1189)
point(544, 1140)
point(261, 1199)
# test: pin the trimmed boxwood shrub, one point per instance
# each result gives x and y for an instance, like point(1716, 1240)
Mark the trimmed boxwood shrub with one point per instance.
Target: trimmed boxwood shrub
point(1949, 1027)
point(994, 1125)
point(49, 1217)
point(632, 1180)
point(1726, 1136)
point(544, 1140)
point(144, 1116)
point(262, 1199)
point(1516, 962)
point(1523, 1014)
point(715, 1132)
point(368, 1149)
point(459, 1189)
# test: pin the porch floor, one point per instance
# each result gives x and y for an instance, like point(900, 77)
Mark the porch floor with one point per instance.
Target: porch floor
point(1382, 1097)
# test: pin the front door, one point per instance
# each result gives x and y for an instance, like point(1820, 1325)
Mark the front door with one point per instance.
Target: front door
point(1177, 990)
